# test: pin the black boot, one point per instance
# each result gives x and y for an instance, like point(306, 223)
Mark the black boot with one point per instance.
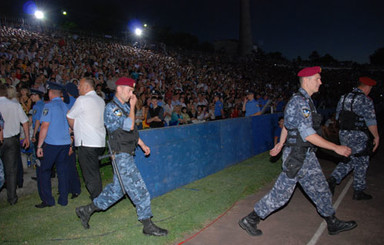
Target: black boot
point(249, 224)
point(332, 184)
point(85, 212)
point(361, 195)
point(335, 226)
point(151, 229)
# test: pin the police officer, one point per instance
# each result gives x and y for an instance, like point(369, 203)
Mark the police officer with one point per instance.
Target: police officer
point(300, 164)
point(356, 114)
point(119, 118)
point(53, 147)
point(219, 107)
point(37, 111)
point(250, 105)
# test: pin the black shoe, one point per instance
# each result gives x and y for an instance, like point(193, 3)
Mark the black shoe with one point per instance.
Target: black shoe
point(151, 229)
point(43, 205)
point(74, 195)
point(13, 202)
point(34, 178)
point(249, 224)
point(20, 185)
point(332, 184)
point(335, 226)
point(361, 195)
point(85, 212)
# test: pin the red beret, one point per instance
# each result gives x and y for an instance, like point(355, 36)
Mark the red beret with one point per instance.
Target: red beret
point(309, 71)
point(367, 81)
point(126, 81)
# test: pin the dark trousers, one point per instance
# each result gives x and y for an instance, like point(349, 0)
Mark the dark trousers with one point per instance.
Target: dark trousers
point(10, 153)
point(90, 167)
point(54, 154)
point(73, 175)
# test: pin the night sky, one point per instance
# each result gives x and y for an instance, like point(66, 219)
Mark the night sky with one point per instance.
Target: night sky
point(346, 29)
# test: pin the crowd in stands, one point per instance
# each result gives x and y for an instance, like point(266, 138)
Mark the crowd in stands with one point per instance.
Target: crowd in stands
point(182, 86)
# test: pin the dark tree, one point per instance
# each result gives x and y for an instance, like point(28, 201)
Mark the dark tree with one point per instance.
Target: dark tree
point(377, 58)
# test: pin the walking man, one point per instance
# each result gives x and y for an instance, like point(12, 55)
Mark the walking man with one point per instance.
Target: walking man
point(300, 164)
point(86, 117)
point(357, 118)
point(119, 117)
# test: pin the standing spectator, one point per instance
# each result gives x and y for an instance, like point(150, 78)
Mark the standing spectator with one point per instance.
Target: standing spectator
point(155, 116)
point(356, 113)
point(124, 138)
point(13, 116)
point(168, 109)
point(1, 143)
point(53, 147)
point(86, 117)
point(250, 105)
point(25, 100)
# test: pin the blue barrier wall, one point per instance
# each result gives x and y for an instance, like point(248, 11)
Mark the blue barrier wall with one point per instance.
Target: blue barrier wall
point(183, 154)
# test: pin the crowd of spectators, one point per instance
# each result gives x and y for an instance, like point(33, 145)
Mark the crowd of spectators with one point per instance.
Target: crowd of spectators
point(173, 88)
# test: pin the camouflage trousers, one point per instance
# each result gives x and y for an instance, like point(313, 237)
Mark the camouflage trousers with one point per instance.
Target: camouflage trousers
point(311, 179)
point(359, 165)
point(357, 142)
point(133, 185)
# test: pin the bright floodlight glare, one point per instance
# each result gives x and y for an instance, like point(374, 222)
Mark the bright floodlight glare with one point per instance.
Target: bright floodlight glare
point(64, 12)
point(138, 32)
point(39, 14)
point(145, 25)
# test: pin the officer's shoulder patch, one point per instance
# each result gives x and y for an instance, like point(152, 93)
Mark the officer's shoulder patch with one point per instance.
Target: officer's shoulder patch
point(306, 112)
point(117, 112)
point(45, 111)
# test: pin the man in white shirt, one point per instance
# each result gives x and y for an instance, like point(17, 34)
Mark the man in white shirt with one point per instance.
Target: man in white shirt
point(13, 116)
point(86, 118)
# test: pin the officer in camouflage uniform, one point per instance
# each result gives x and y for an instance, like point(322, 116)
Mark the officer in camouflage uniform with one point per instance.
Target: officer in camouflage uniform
point(119, 117)
point(357, 118)
point(300, 164)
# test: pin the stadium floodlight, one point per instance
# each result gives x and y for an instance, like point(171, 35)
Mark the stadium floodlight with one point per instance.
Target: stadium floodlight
point(145, 25)
point(64, 12)
point(39, 14)
point(138, 32)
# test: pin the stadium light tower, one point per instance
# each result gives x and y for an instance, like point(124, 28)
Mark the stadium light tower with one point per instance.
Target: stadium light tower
point(39, 14)
point(138, 32)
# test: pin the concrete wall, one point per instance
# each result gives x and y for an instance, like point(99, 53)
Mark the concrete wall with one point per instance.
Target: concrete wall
point(183, 154)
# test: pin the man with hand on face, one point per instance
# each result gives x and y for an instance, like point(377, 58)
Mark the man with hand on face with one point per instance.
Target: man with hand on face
point(300, 165)
point(119, 118)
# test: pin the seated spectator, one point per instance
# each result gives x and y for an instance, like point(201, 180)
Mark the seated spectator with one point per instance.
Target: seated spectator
point(177, 117)
point(139, 114)
point(185, 115)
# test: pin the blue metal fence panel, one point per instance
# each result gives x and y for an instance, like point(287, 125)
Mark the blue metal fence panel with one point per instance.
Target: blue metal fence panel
point(183, 154)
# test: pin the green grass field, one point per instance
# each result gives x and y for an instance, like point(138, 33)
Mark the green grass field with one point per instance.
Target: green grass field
point(182, 211)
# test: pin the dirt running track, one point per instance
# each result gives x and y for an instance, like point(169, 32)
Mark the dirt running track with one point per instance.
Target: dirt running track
point(299, 222)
